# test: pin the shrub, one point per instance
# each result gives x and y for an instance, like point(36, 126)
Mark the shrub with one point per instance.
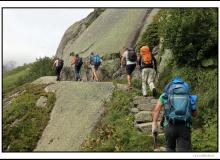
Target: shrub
point(23, 122)
point(191, 34)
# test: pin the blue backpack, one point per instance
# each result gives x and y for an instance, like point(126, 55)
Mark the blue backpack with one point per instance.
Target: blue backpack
point(96, 60)
point(179, 103)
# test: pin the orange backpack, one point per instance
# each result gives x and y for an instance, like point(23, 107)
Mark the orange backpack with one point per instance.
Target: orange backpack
point(146, 55)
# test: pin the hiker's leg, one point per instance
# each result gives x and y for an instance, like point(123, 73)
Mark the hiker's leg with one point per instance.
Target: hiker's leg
point(151, 78)
point(170, 136)
point(130, 68)
point(58, 73)
point(184, 139)
point(79, 75)
point(144, 79)
point(76, 77)
point(129, 77)
point(95, 73)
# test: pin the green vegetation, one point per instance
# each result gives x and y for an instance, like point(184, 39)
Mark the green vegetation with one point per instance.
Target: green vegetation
point(116, 131)
point(150, 36)
point(23, 122)
point(191, 34)
point(11, 78)
point(27, 73)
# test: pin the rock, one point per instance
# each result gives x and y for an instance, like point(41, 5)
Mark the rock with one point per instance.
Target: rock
point(145, 107)
point(160, 149)
point(51, 88)
point(143, 116)
point(123, 87)
point(42, 101)
point(45, 80)
point(145, 103)
point(108, 68)
point(147, 127)
point(67, 73)
point(134, 110)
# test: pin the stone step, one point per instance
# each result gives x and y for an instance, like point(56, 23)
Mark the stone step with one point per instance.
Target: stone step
point(147, 127)
point(160, 149)
point(145, 116)
point(144, 103)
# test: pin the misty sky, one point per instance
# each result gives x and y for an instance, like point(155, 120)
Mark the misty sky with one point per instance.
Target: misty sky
point(32, 33)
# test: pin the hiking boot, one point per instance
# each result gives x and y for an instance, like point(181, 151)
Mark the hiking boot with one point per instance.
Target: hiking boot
point(154, 92)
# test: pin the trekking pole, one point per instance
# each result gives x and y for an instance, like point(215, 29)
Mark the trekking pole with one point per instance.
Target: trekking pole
point(155, 139)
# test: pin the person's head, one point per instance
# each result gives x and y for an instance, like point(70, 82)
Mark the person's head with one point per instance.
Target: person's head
point(92, 53)
point(72, 54)
point(77, 55)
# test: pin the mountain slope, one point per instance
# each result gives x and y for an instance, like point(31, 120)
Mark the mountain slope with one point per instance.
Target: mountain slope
point(109, 33)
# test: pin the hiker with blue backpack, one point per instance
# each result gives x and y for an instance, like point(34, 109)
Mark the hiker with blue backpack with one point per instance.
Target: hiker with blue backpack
point(179, 108)
point(77, 61)
point(95, 61)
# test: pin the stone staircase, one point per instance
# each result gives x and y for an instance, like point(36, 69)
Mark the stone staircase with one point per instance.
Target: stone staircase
point(142, 108)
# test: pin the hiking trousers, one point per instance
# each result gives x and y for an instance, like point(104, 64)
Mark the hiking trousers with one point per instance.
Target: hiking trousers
point(148, 76)
point(77, 73)
point(58, 70)
point(178, 137)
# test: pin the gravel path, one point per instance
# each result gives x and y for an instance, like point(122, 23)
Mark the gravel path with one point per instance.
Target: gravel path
point(77, 110)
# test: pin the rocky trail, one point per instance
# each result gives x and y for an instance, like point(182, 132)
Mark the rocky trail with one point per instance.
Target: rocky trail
point(142, 108)
point(79, 108)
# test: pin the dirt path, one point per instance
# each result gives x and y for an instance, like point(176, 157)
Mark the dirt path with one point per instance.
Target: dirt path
point(76, 112)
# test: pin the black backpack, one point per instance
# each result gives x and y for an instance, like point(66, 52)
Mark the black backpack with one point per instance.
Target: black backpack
point(132, 56)
point(79, 62)
point(60, 63)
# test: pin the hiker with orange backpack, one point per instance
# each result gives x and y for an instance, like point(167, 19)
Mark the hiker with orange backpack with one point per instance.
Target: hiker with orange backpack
point(148, 66)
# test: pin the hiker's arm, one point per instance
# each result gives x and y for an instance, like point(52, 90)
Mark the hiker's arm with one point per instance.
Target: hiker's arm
point(155, 63)
point(156, 111)
point(122, 59)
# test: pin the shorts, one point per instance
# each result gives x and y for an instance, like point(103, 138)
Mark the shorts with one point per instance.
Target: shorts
point(130, 68)
point(94, 67)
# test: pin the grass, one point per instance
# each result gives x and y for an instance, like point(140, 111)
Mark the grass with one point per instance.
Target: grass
point(11, 78)
point(23, 122)
point(116, 132)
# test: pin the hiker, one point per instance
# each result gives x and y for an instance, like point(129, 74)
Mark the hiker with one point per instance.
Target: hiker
point(130, 57)
point(58, 63)
point(179, 107)
point(95, 61)
point(148, 65)
point(77, 61)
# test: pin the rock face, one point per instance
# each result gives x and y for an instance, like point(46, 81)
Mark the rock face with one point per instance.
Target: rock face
point(76, 112)
point(75, 30)
point(106, 32)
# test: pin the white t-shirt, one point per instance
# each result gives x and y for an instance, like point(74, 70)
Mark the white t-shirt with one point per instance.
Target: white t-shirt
point(125, 54)
point(56, 63)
